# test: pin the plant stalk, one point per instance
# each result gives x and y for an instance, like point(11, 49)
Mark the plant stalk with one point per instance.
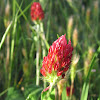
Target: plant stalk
point(37, 57)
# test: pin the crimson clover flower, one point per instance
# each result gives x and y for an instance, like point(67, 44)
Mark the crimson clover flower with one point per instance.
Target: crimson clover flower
point(36, 11)
point(57, 62)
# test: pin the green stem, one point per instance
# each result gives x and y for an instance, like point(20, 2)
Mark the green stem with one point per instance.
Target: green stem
point(12, 48)
point(42, 31)
point(51, 87)
point(37, 57)
point(46, 43)
point(43, 45)
point(12, 43)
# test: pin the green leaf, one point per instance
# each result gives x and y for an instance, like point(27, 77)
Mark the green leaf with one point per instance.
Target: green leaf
point(85, 89)
point(14, 94)
point(32, 92)
point(51, 97)
point(64, 97)
point(5, 34)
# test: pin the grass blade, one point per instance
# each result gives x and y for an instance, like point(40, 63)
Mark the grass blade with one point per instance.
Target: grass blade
point(5, 34)
point(86, 83)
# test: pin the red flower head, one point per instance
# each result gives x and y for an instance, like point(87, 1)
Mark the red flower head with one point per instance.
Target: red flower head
point(57, 62)
point(68, 89)
point(36, 11)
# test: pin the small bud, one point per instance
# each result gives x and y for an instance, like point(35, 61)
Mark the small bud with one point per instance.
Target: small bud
point(96, 5)
point(75, 60)
point(90, 53)
point(88, 15)
point(24, 52)
point(7, 10)
point(88, 60)
point(26, 69)
point(36, 12)
point(96, 9)
point(7, 13)
point(75, 37)
point(69, 27)
point(86, 67)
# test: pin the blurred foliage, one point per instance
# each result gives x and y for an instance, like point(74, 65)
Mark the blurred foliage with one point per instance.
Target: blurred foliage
point(14, 94)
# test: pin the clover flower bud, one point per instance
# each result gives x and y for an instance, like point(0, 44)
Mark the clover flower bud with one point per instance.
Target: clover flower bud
point(57, 62)
point(36, 12)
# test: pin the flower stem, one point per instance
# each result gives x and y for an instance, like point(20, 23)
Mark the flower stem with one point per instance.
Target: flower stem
point(51, 86)
point(43, 45)
point(37, 57)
